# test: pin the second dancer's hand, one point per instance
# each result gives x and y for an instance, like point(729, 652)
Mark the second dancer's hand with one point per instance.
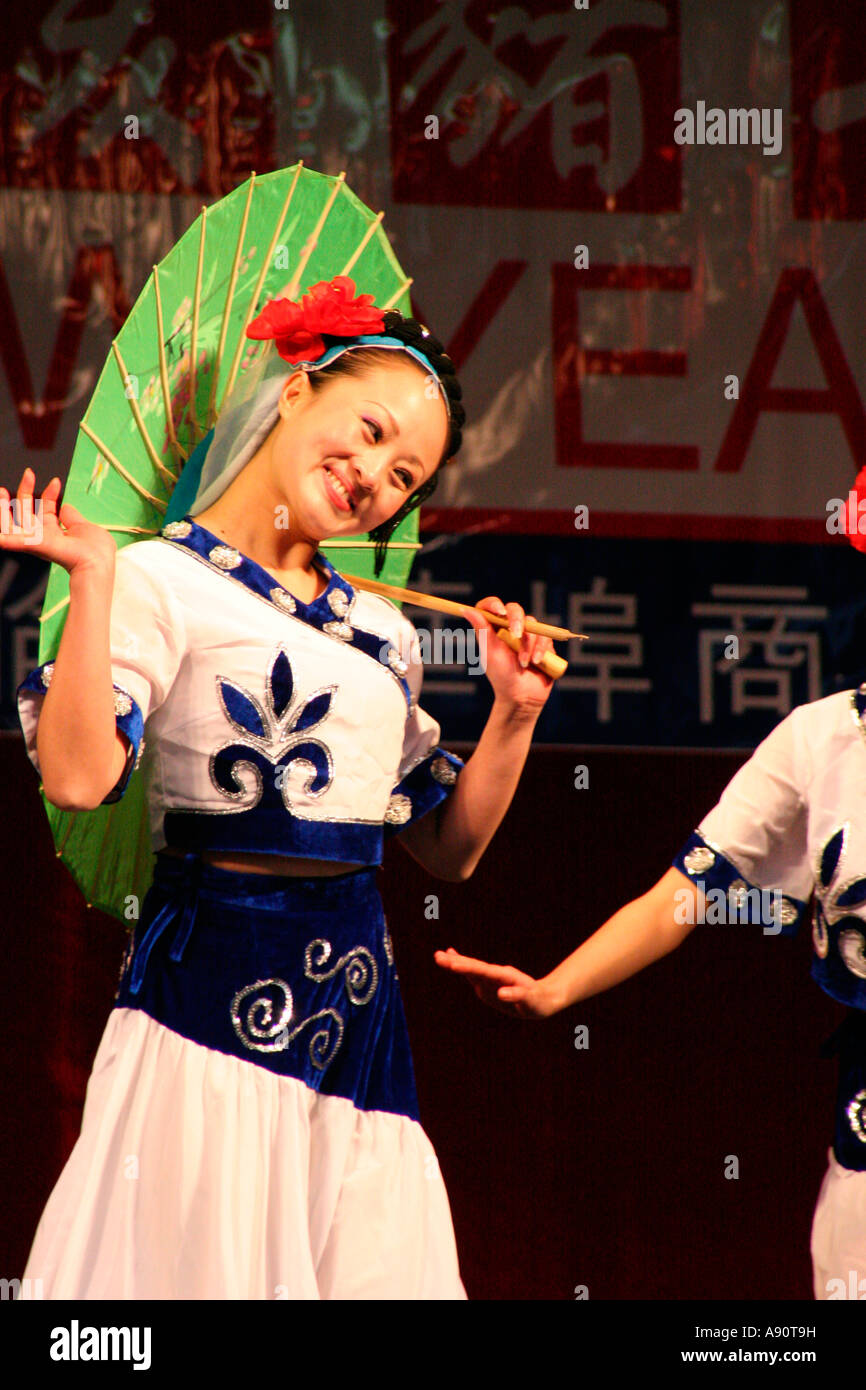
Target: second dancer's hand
point(503, 987)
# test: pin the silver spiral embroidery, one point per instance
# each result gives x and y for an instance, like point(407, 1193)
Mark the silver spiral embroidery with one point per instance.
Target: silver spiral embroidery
point(260, 1030)
point(362, 973)
point(388, 944)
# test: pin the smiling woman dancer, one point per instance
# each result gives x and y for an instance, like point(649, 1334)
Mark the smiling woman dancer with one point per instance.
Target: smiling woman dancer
point(251, 1125)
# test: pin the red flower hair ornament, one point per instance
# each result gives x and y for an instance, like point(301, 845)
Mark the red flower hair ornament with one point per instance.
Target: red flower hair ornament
point(858, 497)
point(331, 307)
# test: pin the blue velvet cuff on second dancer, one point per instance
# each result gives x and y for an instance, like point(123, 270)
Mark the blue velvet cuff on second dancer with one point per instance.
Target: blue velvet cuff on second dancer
point(128, 719)
point(704, 863)
point(421, 789)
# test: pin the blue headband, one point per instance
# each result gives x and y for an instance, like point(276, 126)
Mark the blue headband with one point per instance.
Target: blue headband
point(341, 345)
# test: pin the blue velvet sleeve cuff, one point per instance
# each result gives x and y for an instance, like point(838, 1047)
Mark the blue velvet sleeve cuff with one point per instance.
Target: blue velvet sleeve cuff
point(421, 789)
point(128, 717)
point(730, 897)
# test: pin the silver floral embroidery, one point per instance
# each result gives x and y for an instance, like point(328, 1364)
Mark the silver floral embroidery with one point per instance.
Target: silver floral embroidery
point(852, 949)
point(362, 973)
point(282, 733)
point(396, 662)
point(443, 771)
point(283, 599)
point(122, 703)
point(399, 809)
point(788, 913)
point(138, 755)
point(837, 902)
point(176, 530)
point(340, 603)
point(47, 673)
point(738, 894)
point(698, 859)
point(855, 1115)
point(262, 1022)
point(225, 556)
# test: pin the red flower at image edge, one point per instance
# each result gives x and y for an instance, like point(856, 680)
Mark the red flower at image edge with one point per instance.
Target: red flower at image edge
point(855, 537)
point(328, 307)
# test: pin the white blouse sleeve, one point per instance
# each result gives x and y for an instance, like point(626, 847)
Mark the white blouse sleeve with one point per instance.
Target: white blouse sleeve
point(756, 836)
point(147, 643)
point(427, 772)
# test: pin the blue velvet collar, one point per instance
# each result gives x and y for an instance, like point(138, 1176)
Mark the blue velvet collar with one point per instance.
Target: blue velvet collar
point(330, 612)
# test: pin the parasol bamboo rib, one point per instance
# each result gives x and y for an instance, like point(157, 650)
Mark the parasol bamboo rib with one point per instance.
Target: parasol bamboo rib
point(224, 327)
point(447, 605)
point(312, 241)
point(163, 374)
point(364, 239)
point(398, 293)
point(115, 463)
point(254, 299)
point(370, 545)
point(167, 475)
point(197, 431)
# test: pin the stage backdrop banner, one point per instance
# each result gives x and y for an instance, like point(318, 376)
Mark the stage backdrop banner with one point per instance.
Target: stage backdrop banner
point(637, 225)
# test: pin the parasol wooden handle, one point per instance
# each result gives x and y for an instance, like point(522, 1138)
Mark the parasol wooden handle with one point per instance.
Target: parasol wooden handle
point(551, 664)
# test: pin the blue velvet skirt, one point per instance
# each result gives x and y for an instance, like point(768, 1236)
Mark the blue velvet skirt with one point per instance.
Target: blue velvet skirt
point(294, 974)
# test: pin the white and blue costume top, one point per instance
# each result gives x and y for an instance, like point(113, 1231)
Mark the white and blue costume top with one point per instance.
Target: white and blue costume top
point(262, 723)
point(792, 824)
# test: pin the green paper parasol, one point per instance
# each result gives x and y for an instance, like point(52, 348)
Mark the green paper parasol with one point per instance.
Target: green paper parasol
point(170, 368)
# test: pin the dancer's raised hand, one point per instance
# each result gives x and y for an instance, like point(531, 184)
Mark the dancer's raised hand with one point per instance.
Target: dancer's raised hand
point(67, 538)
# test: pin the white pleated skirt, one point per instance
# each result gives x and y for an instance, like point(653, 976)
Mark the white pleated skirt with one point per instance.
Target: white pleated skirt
point(200, 1176)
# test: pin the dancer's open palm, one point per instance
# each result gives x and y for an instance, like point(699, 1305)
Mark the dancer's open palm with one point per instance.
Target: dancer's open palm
point(36, 527)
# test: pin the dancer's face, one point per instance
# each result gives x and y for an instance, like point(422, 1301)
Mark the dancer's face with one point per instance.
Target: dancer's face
point(382, 434)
